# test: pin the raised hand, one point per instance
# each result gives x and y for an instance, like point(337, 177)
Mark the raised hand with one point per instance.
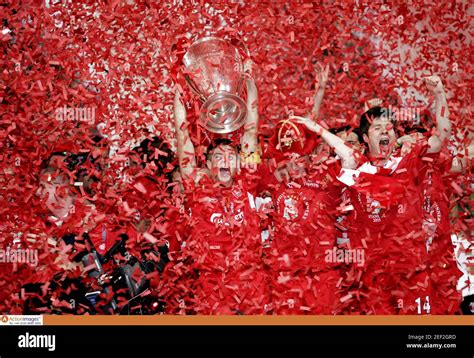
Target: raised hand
point(308, 123)
point(322, 75)
point(434, 84)
point(179, 110)
point(407, 142)
point(346, 153)
point(184, 144)
point(443, 124)
point(249, 139)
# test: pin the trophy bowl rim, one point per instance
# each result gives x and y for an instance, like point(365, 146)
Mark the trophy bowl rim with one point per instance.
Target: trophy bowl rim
point(207, 38)
point(200, 41)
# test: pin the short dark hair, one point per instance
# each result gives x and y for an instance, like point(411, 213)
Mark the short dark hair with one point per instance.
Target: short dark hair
point(72, 161)
point(340, 129)
point(348, 128)
point(146, 150)
point(218, 142)
point(367, 118)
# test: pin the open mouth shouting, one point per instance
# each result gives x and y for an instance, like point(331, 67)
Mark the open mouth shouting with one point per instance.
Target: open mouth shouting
point(384, 142)
point(224, 173)
point(385, 145)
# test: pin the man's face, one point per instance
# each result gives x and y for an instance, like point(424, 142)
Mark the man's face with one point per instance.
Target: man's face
point(223, 163)
point(323, 149)
point(380, 137)
point(350, 138)
point(293, 168)
point(320, 154)
point(55, 193)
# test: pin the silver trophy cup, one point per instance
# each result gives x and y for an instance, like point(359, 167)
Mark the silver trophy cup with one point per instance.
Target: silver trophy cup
point(213, 70)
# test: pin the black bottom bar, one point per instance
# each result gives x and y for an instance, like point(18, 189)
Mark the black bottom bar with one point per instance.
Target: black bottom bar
point(148, 339)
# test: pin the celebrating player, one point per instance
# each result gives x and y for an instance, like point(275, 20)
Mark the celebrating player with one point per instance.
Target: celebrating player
point(386, 223)
point(224, 225)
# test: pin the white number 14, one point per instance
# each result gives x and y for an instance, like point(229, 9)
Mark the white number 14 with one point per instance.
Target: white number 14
point(426, 305)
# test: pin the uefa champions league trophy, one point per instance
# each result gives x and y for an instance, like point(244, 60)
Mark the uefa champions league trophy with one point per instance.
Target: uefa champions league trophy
point(214, 71)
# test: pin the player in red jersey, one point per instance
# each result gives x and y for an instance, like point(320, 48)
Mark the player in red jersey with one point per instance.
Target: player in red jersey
point(70, 219)
point(386, 193)
point(225, 239)
point(301, 182)
point(436, 175)
point(304, 195)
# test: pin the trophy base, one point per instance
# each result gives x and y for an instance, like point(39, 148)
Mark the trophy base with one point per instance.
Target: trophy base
point(223, 113)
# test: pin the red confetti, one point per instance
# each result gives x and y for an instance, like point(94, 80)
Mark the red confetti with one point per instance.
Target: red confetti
point(117, 59)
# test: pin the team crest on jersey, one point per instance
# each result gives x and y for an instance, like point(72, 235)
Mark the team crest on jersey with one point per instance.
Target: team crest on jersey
point(237, 191)
point(292, 206)
point(231, 213)
point(372, 207)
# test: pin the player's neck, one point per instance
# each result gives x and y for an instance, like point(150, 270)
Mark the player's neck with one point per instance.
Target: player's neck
point(379, 160)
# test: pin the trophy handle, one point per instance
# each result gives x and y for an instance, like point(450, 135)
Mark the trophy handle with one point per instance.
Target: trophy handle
point(244, 52)
point(194, 87)
point(239, 44)
point(177, 51)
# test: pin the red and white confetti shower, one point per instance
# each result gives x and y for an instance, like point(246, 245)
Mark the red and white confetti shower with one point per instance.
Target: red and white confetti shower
point(87, 88)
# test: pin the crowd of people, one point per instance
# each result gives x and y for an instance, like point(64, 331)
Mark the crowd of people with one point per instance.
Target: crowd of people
point(309, 220)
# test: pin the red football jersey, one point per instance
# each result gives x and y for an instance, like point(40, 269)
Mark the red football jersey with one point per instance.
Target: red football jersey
point(224, 247)
point(302, 281)
point(220, 214)
point(386, 223)
point(443, 269)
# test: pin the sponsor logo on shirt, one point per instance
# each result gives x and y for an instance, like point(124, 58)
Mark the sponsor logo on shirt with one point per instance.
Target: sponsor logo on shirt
point(219, 219)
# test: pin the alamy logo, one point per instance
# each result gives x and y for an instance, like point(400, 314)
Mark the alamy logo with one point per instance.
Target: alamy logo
point(403, 114)
point(12, 256)
point(37, 341)
point(76, 114)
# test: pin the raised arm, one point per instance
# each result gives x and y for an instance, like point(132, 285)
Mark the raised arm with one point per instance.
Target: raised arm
point(185, 147)
point(346, 153)
point(443, 124)
point(322, 79)
point(249, 140)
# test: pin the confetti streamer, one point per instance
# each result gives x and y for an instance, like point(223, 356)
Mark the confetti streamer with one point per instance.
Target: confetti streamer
point(120, 61)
